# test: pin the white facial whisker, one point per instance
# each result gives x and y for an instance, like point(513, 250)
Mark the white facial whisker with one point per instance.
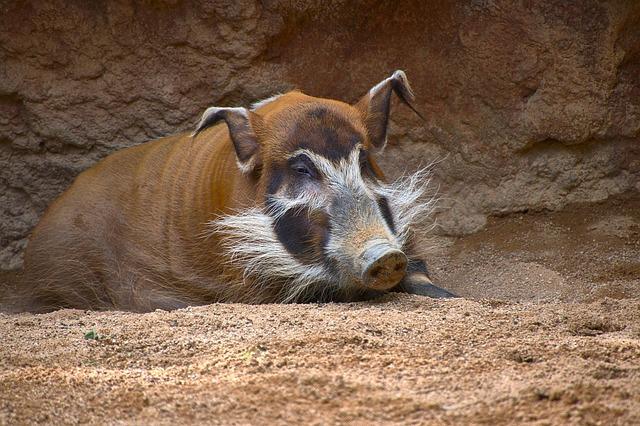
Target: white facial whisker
point(349, 201)
point(407, 196)
point(253, 247)
point(408, 201)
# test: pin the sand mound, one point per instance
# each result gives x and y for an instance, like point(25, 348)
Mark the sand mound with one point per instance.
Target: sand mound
point(400, 359)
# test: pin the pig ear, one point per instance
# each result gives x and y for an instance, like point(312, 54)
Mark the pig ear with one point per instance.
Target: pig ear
point(374, 107)
point(244, 125)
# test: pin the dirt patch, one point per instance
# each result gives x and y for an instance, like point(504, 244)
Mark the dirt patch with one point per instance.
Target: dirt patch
point(548, 332)
point(400, 359)
point(583, 253)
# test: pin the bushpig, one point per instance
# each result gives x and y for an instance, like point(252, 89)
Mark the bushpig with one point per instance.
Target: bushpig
point(282, 202)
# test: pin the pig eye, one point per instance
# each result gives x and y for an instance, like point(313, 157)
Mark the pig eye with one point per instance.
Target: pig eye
point(303, 170)
point(302, 165)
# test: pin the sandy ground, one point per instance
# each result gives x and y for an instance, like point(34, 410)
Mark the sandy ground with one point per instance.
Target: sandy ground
point(548, 332)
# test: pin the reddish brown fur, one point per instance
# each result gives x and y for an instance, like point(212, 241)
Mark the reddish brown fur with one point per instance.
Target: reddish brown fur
point(131, 233)
point(128, 233)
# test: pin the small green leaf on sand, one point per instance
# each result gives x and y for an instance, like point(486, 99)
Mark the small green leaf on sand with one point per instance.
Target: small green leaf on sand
point(91, 335)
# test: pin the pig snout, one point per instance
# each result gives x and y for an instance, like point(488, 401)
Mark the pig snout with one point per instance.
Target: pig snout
point(382, 266)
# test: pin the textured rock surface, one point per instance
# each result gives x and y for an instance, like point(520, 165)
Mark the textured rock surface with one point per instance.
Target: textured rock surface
point(529, 106)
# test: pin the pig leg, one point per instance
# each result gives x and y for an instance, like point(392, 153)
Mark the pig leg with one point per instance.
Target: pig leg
point(417, 281)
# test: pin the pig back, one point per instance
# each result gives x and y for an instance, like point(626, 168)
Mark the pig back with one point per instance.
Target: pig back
point(131, 232)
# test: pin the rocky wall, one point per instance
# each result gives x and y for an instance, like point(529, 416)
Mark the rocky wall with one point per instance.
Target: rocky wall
point(528, 104)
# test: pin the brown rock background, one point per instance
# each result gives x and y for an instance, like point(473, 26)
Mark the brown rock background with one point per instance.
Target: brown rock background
point(529, 105)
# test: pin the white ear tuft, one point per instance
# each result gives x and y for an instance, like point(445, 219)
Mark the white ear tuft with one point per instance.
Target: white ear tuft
point(213, 115)
point(241, 123)
point(376, 105)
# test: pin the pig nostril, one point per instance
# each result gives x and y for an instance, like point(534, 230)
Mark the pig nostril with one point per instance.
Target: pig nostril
point(383, 266)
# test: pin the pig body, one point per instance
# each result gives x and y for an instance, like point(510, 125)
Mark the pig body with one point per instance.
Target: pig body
point(281, 203)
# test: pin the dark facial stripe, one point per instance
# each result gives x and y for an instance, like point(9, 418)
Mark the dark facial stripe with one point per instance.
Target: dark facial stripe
point(303, 235)
point(276, 178)
point(383, 205)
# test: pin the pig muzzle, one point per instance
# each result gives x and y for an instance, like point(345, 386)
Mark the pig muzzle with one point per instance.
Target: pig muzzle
point(382, 266)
